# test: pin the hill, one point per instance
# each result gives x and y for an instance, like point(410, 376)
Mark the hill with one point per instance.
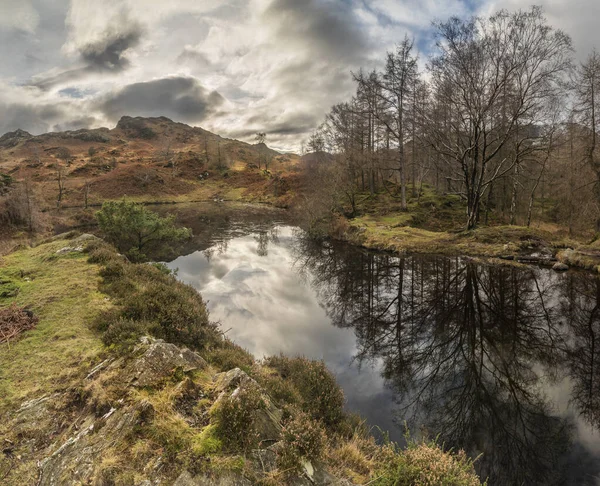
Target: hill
point(149, 159)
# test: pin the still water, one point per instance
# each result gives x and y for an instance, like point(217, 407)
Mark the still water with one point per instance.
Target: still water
point(500, 361)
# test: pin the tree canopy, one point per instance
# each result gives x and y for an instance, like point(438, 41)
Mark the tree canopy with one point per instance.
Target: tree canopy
point(137, 231)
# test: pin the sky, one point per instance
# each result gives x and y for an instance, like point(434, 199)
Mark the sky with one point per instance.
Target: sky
point(235, 67)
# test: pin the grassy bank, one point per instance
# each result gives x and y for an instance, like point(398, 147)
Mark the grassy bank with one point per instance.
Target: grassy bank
point(433, 223)
point(93, 306)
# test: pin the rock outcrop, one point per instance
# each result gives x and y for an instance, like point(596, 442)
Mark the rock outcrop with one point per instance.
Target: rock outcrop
point(77, 450)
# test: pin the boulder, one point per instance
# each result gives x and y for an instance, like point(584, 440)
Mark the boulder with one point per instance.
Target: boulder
point(159, 360)
point(231, 379)
point(70, 249)
point(560, 267)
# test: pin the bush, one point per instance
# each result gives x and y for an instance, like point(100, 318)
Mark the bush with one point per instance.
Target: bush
point(425, 463)
point(123, 334)
point(303, 438)
point(137, 231)
point(322, 398)
point(150, 300)
point(234, 418)
point(178, 309)
point(229, 356)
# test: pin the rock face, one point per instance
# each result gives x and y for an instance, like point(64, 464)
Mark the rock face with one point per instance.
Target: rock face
point(159, 361)
point(11, 139)
point(75, 460)
point(75, 450)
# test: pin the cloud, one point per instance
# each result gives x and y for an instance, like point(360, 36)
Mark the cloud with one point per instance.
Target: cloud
point(280, 64)
point(18, 15)
point(326, 28)
point(103, 52)
point(180, 98)
point(107, 53)
point(42, 118)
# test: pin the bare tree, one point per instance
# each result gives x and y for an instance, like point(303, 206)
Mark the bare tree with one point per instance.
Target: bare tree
point(495, 75)
point(393, 90)
point(64, 154)
point(587, 109)
point(60, 179)
point(86, 193)
point(261, 140)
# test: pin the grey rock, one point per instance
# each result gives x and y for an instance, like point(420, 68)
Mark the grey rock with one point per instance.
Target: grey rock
point(75, 461)
point(70, 249)
point(159, 361)
point(231, 379)
point(560, 267)
point(226, 479)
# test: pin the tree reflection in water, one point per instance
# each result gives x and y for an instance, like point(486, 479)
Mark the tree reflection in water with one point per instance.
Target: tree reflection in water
point(470, 351)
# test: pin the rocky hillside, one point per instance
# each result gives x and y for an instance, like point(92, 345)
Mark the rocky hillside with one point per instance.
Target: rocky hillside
point(123, 380)
point(150, 159)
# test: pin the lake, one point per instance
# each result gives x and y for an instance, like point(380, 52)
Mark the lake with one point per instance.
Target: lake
point(501, 361)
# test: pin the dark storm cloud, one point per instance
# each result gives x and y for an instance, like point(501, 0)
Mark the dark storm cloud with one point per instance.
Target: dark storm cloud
point(330, 27)
point(107, 54)
point(181, 98)
point(38, 119)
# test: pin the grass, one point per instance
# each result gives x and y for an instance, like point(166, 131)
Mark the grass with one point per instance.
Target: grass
point(434, 223)
point(62, 290)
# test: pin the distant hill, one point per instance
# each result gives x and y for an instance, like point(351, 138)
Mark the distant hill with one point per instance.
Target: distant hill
point(151, 158)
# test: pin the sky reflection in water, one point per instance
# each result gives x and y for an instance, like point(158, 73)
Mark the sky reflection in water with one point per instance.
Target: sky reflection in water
point(270, 308)
point(498, 360)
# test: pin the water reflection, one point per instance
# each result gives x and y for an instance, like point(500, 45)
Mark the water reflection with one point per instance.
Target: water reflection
point(472, 351)
point(498, 360)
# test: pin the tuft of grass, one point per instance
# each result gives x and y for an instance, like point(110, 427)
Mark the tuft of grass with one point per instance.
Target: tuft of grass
point(425, 463)
point(207, 442)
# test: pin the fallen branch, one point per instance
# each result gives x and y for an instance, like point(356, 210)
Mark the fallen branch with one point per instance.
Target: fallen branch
point(14, 320)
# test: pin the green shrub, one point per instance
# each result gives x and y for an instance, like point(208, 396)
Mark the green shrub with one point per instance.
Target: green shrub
point(234, 418)
point(137, 231)
point(425, 463)
point(322, 398)
point(228, 356)
point(150, 300)
point(303, 438)
point(123, 334)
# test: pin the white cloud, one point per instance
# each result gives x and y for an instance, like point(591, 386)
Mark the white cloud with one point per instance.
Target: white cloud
point(280, 64)
point(18, 15)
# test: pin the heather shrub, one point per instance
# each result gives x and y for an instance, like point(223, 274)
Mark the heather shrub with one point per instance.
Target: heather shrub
point(234, 418)
point(303, 438)
point(321, 396)
point(228, 356)
point(123, 334)
point(150, 296)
